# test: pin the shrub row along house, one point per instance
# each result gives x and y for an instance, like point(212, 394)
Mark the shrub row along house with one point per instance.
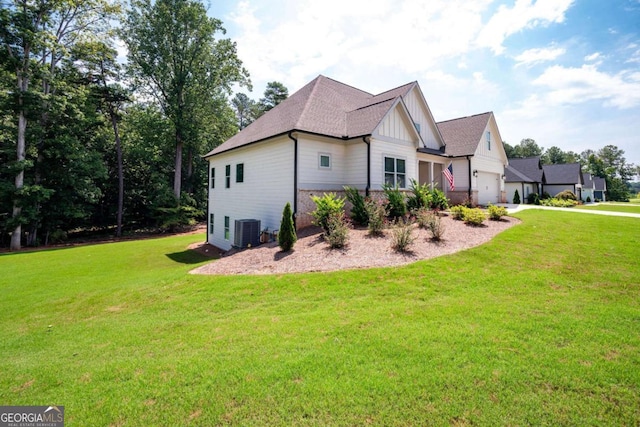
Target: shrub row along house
point(529, 176)
point(329, 135)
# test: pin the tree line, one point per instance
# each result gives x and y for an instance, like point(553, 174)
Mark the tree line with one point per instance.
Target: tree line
point(88, 143)
point(608, 163)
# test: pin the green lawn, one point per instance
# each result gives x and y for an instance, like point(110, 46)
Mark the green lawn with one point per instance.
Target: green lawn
point(538, 327)
point(630, 208)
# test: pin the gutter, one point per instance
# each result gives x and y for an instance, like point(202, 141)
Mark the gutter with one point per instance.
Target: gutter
point(364, 139)
point(295, 177)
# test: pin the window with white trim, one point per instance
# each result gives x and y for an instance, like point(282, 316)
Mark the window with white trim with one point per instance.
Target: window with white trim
point(240, 172)
point(227, 176)
point(488, 140)
point(324, 160)
point(213, 177)
point(226, 228)
point(395, 172)
point(211, 218)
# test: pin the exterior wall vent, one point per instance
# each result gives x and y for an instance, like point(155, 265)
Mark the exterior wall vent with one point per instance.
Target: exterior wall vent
point(247, 232)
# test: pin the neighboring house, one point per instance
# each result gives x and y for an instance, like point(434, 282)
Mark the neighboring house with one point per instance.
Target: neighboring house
point(525, 175)
point(479, 160)
point(593, 187)
point(558, 178)
point(329, 135)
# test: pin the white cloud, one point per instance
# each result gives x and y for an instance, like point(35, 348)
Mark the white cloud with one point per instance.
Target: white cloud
point(592, 57)
point(569, 85)
point(523, 15)
point(536, 55)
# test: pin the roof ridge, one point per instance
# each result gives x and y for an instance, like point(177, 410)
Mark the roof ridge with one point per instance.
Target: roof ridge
point(309, 98)
point(466, 117)
point(344, 84)
point(375, 103)
point(396, 88)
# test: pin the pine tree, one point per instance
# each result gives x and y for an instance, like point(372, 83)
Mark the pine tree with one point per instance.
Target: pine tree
point(516, 198)
point(287, 235)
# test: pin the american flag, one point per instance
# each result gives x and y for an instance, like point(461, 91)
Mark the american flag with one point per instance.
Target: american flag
point(448, 173)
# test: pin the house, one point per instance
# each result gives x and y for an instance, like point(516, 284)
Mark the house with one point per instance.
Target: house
point(329, 135)
point(593, 188)
point(558, 178)
point(475, 146)
point(525, 175)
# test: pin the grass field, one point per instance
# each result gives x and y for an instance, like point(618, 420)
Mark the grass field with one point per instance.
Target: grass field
point(538, 327)
point(616, 207)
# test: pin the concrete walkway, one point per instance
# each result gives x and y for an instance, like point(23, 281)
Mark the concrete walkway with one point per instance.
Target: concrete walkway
point(511, 208)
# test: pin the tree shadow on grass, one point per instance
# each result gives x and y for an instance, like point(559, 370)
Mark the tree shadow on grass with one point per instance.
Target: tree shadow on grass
point(188, 257)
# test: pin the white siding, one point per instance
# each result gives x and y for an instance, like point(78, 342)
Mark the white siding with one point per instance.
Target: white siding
point(555, 189)
point(419, 113)
point(310, 175)
point(399, 149)
point(460, 174)
point(491, 161)
point(267, 187)
point(510, 188)
point(356, 173)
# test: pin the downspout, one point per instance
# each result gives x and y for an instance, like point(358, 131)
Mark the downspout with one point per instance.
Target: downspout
point(522, 198)
point(295, 177)
point(469, 162)
point(208, 218)
point(366, 191)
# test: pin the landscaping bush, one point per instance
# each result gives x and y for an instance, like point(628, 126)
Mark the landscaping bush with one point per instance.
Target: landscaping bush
point(559, 203)
point(435, 225)
point(457, 212)
point(566, 195)
point(287, 235)
point(474, 216)
point(338, 230)
point(438, 200)
point(358, 211)
point(377, 215)
point(422, 216)
point(326, 205)
point(396, 206)
point(402, 235)
point(588, 199)
point(516, 197)
point(496, 212)
point(533, 199)
point(420, 196)
point(545, 195)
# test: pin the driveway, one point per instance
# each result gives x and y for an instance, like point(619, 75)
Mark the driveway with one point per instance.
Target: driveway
point(511, 208)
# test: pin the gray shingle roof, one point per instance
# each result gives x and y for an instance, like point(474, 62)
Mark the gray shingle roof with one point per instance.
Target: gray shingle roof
point(324, 106)
point(527, 169)
point(562, 174)
point(599, 183)
point(587, 181)
point(462, 136)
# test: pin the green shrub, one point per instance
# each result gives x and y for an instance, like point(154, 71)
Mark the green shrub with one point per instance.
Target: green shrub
point(559, 203)
point(566, 195)
point(533, 199)
point(287, 234)
point(377, 214)
point(438, 200)
point(545, 195)
point(457, 212)
point(326, 205)
point(474, 216)
point(496, 212)
point(420, 196)
point(402, 235)
point(516, 197)
point(338, 230)
point(57, 236)
point(435, 225)
point(396, 206)
point(588, 199)
point(358, 212)
point(422, 217)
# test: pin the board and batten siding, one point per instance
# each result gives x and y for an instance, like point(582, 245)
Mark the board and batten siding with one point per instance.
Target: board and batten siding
point(492, 161)
point(418, 109)
point(267, 187)
point(396, 126)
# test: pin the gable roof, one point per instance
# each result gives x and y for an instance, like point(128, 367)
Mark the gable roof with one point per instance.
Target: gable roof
point(587, 180)
point(599, 184)
point(462, 136)
point(526, 169)
point(323, 106)
point(562, 174)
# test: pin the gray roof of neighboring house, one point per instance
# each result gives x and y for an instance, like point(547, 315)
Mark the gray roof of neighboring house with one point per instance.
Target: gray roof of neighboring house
point(587, 180)
point(324, 106)
point(527, 169)
point(462, 136)
point(562, 174)
point(599, 184)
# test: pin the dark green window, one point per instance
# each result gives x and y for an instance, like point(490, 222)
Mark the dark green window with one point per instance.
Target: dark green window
point(213, 177)
point(240, 172)
point(226, 228)
point(227, 176)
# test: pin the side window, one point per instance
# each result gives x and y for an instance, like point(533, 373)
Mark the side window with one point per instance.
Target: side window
point(240, 172)
point(211, 222)
point(324, 161)
point(227, 176)
point(488, 140)
point(226, 228)
point(213, 177)
point(395, 172)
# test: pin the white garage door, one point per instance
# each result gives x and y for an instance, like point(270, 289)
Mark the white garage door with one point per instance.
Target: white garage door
point(488, 188)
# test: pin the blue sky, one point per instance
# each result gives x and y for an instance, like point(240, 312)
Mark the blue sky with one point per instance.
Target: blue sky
point(563, 72)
